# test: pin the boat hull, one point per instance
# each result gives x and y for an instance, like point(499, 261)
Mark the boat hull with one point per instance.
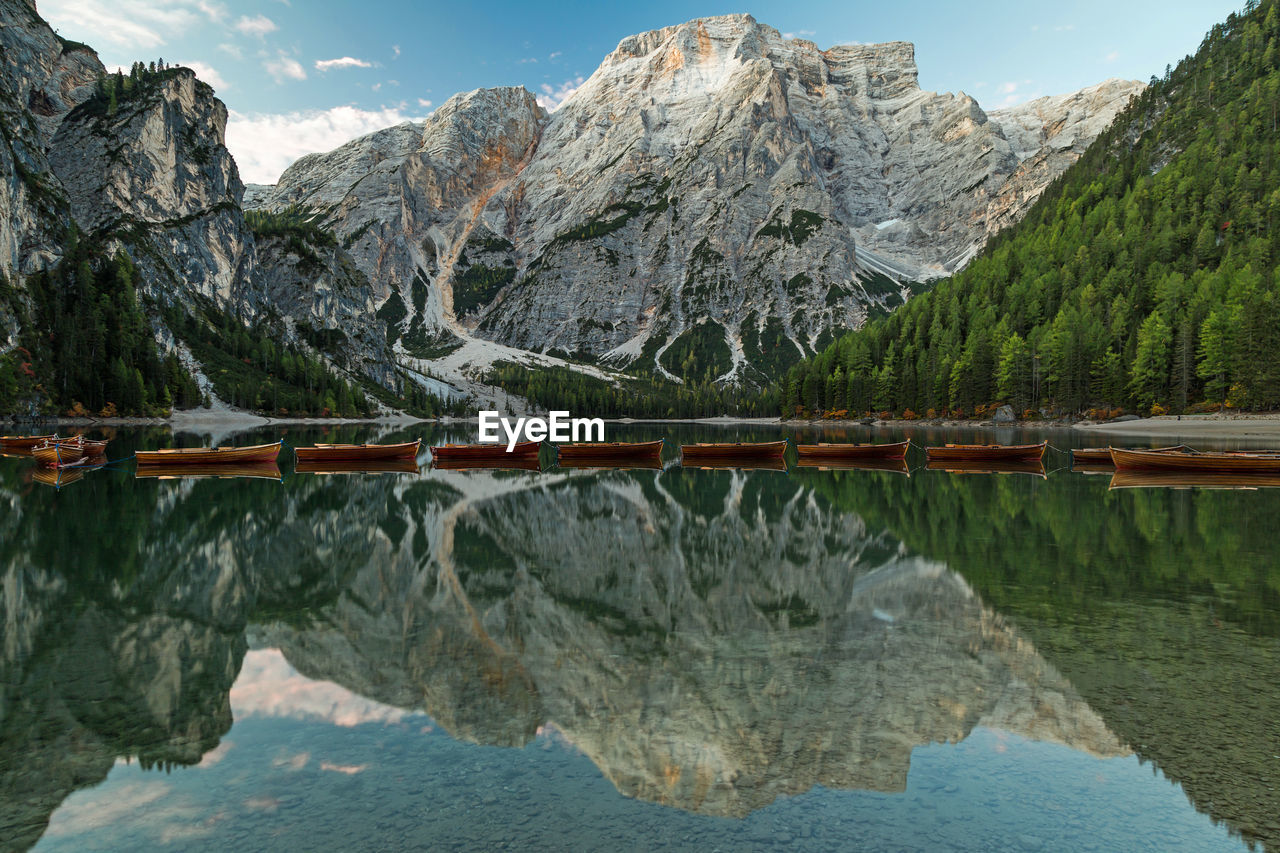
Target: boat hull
point(835, 452)
point(514, 463)
point(24, 442)
point(58, 454)
point(987, 452)
point(357, 452)
point(210, 455)
point(1165, 460)
point(1102, 455)
point(617, 451)
point(484, 452)
point(1091, 456)
point(702, 453)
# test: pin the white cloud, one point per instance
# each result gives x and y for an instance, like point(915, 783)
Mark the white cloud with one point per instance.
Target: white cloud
point(799, 34)
point(552, 98)
point(285, 68)
point(1007, 88)
point(341, 62)
point(231, 50)
point(138, 25)
point(555, 54)
point(1112, 56)
point(265, 144)
point(1064, 28)
point(395, 50)
point(258, 25)
point(424, 103)
point(208, 74)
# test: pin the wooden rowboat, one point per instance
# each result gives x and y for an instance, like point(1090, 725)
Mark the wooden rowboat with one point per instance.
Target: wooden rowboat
point(201, 471)
point(987, 452)
point(897, 450)
point(698, 454)
point(1091, 456)
point(1102, 455)
point(1231, 462)
point(357, 452)
point(1130, 479)
point(609, 451)
point(58, 454)
point(24, 442)
point(403, 465)
point(484, 452)
point(94, 449)
point(211, 455)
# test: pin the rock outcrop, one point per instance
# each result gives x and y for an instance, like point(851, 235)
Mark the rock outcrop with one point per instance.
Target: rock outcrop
point(712, 187)
point(156, 175)
point(42, 77)
point(148, 173)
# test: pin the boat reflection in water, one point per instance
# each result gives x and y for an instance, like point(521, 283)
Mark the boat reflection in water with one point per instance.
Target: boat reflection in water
point(225, 471)
point(955, 466)
point(591, 464)
point(513, 463)
point(712, 641)
point(896, 466)
point(63, 476)
point(375, 466)
point(1129, 479)
point(731, 463)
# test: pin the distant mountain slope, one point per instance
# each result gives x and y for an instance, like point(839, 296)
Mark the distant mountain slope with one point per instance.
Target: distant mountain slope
point(1147, 275)
point(714, 201)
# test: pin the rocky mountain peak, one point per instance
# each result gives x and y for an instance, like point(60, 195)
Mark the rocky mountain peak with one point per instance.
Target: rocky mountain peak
point(714, 201)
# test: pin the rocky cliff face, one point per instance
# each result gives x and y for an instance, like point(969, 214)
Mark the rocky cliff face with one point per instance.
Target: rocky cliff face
point(42, 78)
point(156, 176)
point(712, 187)
point(148, 173)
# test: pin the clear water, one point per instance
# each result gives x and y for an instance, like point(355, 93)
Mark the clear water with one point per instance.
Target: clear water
point(636, 659)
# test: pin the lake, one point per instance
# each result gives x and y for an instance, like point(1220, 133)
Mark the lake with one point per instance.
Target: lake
point(636, 659)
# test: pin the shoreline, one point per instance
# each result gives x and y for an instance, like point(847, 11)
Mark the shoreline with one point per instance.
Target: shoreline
point(1239, 426)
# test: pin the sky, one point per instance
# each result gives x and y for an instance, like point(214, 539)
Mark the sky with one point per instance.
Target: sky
point(308, 75)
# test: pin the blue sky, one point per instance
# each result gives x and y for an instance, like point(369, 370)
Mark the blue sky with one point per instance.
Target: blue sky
point(306, 75)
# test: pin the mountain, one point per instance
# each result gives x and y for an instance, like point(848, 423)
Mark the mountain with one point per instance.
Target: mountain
point(125, 257)
point(713, 204)
point(714, 201)
point(1146, 277)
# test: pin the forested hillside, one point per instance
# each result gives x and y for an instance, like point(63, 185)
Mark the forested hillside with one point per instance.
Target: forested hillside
point(1144, 278)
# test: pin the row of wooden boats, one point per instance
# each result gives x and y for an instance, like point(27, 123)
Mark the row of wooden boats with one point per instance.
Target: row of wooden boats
point(57, 452)
point(54, 451)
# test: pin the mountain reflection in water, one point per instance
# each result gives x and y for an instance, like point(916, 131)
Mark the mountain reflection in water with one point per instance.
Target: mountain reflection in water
point(711, 640)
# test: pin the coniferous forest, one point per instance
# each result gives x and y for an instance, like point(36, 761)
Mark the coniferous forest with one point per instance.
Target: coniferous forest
point(1146, 278)
point(87, 347)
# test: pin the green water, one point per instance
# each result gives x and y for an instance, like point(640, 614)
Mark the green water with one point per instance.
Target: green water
point(643, 659)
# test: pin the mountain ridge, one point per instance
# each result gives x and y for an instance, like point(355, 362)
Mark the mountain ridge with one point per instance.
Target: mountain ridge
point(654, 203)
